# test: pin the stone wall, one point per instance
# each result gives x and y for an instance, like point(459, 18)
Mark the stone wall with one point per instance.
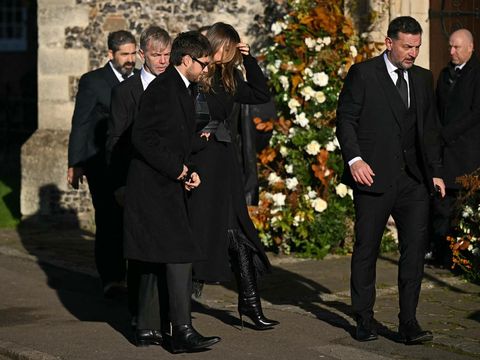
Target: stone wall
point(72, 41)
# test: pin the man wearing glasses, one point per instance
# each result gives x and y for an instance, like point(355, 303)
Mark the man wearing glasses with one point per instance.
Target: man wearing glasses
point(157, 229)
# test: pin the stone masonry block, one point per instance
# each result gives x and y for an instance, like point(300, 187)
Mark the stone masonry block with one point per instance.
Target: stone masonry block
point(53, 88)
point(51, 36)
point(63, 15)
point(55, 115)
point(62, 61)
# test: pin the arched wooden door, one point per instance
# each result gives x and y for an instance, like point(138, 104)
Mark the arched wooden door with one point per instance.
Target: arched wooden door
point(445, 17)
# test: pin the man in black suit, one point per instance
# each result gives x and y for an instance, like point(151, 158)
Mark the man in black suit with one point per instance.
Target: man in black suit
point(155, 46)
point(458, 104)
point(157, 230)
point(386, 130)
point(86, 155)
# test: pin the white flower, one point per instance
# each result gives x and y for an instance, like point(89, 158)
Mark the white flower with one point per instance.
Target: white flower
point(277, 27)
point(299, 217)
point(470, 247)
point(308, 72)
point(291, 132)
point(313, 148)
point(307, 92)
point(318, 47)
point(289, 169)
point(284, 81)
point(320, 79)
point(291, 183)
point(467, 211)
point(279, 199)
point(301, 119)
point(327, 172)
point(341, 190)
point(310, 42)
point(317, 115)
point(283, 151)
point(350, 193)
point(285, 97)
point(312, 194)
point(353, 51)
point(319, 204)
point(273, 178)
point(275, 219)
point(277, 63)
point(332, 145)
point(327, 40)
point(272, 69)
point(320, 97)
point(293, 104)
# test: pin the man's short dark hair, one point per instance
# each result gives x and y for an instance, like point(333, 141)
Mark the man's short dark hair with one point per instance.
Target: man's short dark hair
point(403, 24)
point(154, 33)
point(119, 38)
point(189, 43)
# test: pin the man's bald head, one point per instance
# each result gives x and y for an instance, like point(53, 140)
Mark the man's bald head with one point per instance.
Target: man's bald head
point(461, 46)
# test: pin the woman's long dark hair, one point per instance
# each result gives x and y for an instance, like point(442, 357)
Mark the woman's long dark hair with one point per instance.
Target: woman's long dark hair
point(221, 34)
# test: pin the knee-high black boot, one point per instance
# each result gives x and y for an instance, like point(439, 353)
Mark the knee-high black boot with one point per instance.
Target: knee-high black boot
point(248, 298)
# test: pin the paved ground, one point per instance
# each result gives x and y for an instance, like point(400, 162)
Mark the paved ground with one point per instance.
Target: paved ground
point(51, 308)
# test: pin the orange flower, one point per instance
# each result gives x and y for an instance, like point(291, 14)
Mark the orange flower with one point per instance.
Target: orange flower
point(267, 155)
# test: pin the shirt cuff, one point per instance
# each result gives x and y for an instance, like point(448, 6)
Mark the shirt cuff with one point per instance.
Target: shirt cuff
point(354, 160)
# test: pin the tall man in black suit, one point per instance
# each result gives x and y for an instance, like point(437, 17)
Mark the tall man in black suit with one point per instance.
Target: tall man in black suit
point(458, 104)
point(86, 155)
point(157, 230)
point(385, 126)
point(143, 286)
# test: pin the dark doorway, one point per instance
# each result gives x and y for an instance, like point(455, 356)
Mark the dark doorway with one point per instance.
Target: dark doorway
point(445, 17)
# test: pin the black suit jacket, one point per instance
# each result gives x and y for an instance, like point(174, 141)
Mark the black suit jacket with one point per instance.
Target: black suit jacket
point(92, 110)
point(156, 222)
point(458, 103)
point(124, 109)
point(369, 114)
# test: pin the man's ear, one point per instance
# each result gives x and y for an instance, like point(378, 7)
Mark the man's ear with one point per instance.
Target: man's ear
point(110, 55)
point(187, 60)
point(388, 43)
point(141, 54)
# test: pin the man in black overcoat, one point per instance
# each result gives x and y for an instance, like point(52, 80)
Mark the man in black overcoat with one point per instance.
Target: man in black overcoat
point(157, 230)
point(458, 104)
point(86, 155)
point(143, 284)
point(386, 129)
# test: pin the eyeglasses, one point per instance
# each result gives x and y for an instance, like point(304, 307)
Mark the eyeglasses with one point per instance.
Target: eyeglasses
point(202, 64)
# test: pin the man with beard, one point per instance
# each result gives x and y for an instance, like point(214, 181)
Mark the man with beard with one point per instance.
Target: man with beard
point(144, 287)
point(157, 229)
point(386, 126)
point(86, 156)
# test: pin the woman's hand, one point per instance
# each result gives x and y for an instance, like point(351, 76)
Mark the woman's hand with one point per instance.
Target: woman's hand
point(244, 48)
point(206, 135)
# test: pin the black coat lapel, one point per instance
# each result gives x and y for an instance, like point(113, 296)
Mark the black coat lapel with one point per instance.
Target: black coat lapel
point(416, 84)
point(110, 76)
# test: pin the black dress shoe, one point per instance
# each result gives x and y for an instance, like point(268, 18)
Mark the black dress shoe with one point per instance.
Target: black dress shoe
point(148, 337)
point(411, 333)
point(186, 339)
point(365, 332)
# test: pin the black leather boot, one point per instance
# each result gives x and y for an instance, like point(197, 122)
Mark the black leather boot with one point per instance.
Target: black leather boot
point(186, 339)
point(248, 298)
point(148, 337)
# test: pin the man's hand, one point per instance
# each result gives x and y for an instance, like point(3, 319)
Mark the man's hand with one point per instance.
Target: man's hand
point(362, 173)
point(74, 175)
point(183, 174)
point(206, 135)
point(193, 182)
point(440, 185)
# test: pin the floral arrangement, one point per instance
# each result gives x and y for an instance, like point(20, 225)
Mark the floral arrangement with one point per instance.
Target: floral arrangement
point(303, 206)
point(465, 243)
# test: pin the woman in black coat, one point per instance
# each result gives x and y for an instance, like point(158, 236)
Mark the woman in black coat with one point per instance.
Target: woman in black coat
point(218, 210)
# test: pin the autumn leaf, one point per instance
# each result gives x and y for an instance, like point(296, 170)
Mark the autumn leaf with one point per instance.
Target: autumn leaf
point(267, 155)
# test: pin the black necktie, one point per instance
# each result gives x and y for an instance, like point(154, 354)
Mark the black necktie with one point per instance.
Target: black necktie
point(402, 86)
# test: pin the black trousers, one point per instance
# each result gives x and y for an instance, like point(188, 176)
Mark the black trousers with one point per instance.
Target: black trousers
point(164, 295)
point(109, 260)
point(408, 203)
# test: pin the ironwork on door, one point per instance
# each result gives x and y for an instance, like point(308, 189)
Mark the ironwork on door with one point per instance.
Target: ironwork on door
point(446, 16)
